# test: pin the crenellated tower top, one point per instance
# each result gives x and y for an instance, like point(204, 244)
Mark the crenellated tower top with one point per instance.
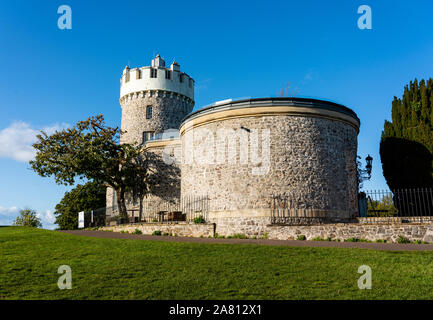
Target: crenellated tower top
point(156, 78)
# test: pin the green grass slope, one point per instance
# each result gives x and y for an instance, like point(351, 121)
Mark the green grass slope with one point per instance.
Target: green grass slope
point(137, 269)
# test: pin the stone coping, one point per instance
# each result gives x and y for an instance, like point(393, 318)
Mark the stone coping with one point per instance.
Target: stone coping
point(161, 143)
point(271, 106)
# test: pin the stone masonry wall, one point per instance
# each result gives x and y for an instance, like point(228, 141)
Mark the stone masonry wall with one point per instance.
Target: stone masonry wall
point(372, 232)
point(168, 109)
point(254, 228)
point(182, 229)
point(311, 161)
point(260, 227)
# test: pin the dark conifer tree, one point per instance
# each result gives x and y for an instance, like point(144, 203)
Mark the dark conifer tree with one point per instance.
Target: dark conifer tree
point(406, 145)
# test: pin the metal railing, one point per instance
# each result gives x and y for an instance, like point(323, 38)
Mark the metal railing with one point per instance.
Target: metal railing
point(187, 208)
point(401, 203)
point(286, 210)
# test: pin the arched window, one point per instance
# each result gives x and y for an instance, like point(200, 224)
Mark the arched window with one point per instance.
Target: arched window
point(149, 112)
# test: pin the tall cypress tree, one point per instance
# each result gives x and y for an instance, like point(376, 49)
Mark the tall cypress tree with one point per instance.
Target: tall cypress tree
point(406, 145)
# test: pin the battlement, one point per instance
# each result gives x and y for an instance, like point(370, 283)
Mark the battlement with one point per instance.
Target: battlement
point(156, 78)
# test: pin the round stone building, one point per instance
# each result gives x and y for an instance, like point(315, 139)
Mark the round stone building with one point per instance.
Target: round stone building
point(251, 157)
point(252, 161)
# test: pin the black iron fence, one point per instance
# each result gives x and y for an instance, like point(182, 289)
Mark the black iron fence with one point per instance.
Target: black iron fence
point(188, 208)
point(404, 203)
point(288, 210)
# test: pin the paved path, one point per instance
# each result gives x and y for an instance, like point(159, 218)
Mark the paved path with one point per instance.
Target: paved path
point(293, 243)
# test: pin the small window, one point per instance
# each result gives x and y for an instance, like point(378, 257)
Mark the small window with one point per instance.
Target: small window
point(147, 135)
point(181, 78)
point(153, 73)
point(190, 82)
point(138, 73)
point(127, 77)
point(168, 74)
point(149, 112)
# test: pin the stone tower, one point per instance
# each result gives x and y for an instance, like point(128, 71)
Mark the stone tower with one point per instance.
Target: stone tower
point(154, 99)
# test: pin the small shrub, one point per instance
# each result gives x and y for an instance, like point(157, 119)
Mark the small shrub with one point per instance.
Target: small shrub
point(198, 220)
point(301, 237)
point(402, 239)
point(155, 220)
point(156, 233)
point(356, 240)
point(265, 236)
point(137, 231)
point(239, 236)
point(381, 241)
point(165, 234)
point(318, 239)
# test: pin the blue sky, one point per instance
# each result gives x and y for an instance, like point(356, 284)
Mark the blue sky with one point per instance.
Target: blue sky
point(52, 78)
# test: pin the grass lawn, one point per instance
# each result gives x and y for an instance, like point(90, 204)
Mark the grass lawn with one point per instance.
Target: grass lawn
point(137, 269)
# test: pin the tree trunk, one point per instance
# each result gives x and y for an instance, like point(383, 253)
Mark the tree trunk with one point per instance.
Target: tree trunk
point(121, 205)
point(140, 213)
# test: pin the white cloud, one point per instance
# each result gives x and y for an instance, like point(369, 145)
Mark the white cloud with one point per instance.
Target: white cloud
point(17, 139)
point(8, 211)
point(8, 216)
point(46, 217)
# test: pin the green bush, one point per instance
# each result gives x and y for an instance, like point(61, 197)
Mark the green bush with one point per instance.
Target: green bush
point(301, 237)
point(165, 234)
point(356, 240)
point(216, 235)
point(381, 241)
point(318, 239)
point(156, 233)
point(199, 220)
point(138, 231)
point(237, 236)
point(28, 218)
point(402, 239)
